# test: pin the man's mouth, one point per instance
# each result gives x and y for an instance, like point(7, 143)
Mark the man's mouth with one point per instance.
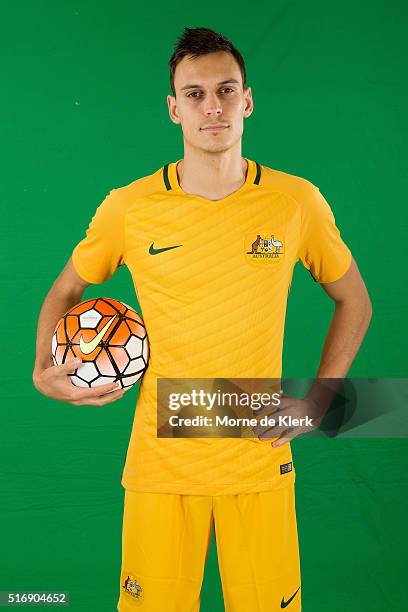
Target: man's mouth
point(215, 128)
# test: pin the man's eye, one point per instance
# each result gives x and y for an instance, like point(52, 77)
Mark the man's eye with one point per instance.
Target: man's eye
point(193, 93)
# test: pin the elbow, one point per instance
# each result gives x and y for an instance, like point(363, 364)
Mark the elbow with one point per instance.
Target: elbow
point(359, 306)
point(369, 311)
point(365, 308)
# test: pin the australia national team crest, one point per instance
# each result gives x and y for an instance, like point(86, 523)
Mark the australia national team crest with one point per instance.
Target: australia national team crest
point(132, 587)
point(264, 247)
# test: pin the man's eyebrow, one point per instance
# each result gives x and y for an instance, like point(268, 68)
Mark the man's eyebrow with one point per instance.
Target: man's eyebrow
point(189, 86)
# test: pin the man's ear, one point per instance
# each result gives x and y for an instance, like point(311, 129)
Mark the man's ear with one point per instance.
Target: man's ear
point(249, 103)
point(172, 106)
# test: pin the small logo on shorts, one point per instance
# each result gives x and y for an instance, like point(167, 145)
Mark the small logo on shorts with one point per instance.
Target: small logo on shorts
point(132, 587)
point(286, 467)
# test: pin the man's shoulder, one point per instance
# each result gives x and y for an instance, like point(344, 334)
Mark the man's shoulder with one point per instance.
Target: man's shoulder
point(144, 186)
point(296, 187)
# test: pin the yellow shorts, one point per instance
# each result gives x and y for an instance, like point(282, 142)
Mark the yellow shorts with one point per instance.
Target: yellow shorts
point(165, 542)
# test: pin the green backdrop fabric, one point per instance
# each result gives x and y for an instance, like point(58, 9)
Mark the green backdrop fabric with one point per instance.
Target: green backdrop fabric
point(83, 111)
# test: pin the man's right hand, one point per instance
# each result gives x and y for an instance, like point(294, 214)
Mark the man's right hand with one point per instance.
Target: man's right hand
point(54, 382)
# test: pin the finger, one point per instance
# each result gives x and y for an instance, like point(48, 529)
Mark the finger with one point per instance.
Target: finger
point(285, 403)
point(265, 411)
point(289, 436)
point(281, 441)
point(101, 401)
point(273, 432)
point(92, 392)
point(275, 421)
point(271, 406)
point(69, 366)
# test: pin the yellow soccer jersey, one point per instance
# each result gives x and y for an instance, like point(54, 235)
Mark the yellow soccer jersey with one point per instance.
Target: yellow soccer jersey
point(213, 307)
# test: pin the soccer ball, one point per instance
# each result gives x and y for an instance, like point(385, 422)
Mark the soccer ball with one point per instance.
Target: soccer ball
point(110, 338)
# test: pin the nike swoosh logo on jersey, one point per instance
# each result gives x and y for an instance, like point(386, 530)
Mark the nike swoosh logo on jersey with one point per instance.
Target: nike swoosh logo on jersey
point(154, 251)
point(88, 347)
point(286, 603)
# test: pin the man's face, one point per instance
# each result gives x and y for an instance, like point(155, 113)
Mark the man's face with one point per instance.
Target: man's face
point(209, 93)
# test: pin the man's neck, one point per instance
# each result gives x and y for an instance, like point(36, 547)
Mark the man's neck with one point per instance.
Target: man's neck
point(213, 176)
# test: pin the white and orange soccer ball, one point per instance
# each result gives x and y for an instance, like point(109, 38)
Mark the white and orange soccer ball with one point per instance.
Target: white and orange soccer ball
point(110, 338)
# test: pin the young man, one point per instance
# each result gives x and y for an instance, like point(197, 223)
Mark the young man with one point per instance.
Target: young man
point(194, 236)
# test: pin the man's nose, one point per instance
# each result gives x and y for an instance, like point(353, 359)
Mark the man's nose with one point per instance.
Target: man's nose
point(212, 106)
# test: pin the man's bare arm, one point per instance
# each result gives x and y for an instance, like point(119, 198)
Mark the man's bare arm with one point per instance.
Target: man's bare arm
point(349, 324)
point(53, 381)
point(66, 291)
point(352, 316)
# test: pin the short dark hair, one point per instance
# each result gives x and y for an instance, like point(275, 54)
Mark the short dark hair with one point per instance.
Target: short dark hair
point(202, 41)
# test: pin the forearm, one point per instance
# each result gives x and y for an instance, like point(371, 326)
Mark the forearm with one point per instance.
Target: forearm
point(345, 335)
point(346, 332)
point(55, 305)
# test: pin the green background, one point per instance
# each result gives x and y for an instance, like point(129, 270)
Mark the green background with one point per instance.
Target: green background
point(84, 110)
